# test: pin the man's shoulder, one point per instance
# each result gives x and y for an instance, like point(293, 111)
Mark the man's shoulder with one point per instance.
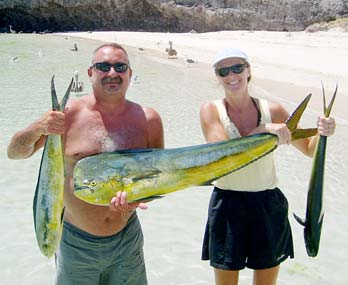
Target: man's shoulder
point(76, 104)
point(148, 111)
point(151, 113)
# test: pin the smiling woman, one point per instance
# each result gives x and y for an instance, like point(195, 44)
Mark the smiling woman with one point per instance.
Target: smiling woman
point(248, 200)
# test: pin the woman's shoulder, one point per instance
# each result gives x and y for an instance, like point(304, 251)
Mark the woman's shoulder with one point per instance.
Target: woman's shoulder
point(209, 112)
point(211, 105)
point(277, 111)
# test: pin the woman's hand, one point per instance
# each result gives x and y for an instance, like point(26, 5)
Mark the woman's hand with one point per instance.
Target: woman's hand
point(326, 126)
point(281, 130)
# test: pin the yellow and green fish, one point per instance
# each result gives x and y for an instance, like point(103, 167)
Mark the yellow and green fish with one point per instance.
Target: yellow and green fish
point(146, 174)
point(48, 204)
point(314, 210)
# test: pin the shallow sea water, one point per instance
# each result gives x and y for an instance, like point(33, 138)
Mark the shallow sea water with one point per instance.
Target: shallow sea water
point(173, 227)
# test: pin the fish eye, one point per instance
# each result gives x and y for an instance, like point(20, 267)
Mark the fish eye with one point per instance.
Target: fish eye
point(93, 183)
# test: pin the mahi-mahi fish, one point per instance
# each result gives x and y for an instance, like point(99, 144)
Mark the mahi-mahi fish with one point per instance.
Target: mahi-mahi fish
point(48, 204)
point(146, 174)
point(314, 210)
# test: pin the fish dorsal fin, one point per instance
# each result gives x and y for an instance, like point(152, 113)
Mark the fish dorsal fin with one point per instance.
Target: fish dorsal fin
point(136, 150)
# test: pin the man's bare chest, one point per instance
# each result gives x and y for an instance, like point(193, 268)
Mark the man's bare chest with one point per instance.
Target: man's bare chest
point(88, 139)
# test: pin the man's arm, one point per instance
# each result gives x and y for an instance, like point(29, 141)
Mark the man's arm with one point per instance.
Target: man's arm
point(26, 142)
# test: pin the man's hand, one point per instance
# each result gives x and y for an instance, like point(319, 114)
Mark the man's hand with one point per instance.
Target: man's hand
point(52, 122)
point(119, 203)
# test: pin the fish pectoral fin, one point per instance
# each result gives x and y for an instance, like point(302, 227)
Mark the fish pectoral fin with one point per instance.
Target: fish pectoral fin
point(149, 199)
point(62, 216)
point(321, 218)
point(208, 183)
point(145, 174)
point(298, 219)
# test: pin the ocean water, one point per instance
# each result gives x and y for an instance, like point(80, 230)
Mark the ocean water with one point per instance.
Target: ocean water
point(173, 227)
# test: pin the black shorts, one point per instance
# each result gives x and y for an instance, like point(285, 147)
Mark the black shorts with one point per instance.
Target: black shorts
point(247, 229)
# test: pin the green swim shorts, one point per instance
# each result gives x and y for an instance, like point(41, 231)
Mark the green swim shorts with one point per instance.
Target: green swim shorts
point(90, 260)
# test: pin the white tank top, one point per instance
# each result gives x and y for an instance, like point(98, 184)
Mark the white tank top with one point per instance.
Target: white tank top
point(257, 176)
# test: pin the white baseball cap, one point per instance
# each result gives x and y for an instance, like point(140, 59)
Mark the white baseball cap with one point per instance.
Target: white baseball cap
point(228, 53)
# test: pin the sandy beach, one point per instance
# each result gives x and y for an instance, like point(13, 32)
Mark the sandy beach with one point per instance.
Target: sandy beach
point(289, 65)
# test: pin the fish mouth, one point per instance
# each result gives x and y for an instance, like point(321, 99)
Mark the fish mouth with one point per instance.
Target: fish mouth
point(82, 188)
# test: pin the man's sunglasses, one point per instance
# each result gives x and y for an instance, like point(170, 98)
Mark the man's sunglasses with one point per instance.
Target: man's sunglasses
point(119, 67)
point(236, 69)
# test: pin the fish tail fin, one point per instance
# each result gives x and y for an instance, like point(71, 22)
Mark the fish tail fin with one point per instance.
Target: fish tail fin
point(66, 96)
point(327, 109)
point(295, 117)
point(299, 220)
point(303, 133)
point(56, 106)
point(54, 98)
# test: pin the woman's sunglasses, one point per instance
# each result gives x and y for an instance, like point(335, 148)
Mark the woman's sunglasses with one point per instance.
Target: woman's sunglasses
point(119, 67)
point(236, 69)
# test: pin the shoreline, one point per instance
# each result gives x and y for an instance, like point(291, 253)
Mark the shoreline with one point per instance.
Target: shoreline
point(287, 65)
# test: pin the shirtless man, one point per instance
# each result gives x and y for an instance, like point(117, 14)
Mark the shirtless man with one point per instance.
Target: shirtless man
point(100, 245)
